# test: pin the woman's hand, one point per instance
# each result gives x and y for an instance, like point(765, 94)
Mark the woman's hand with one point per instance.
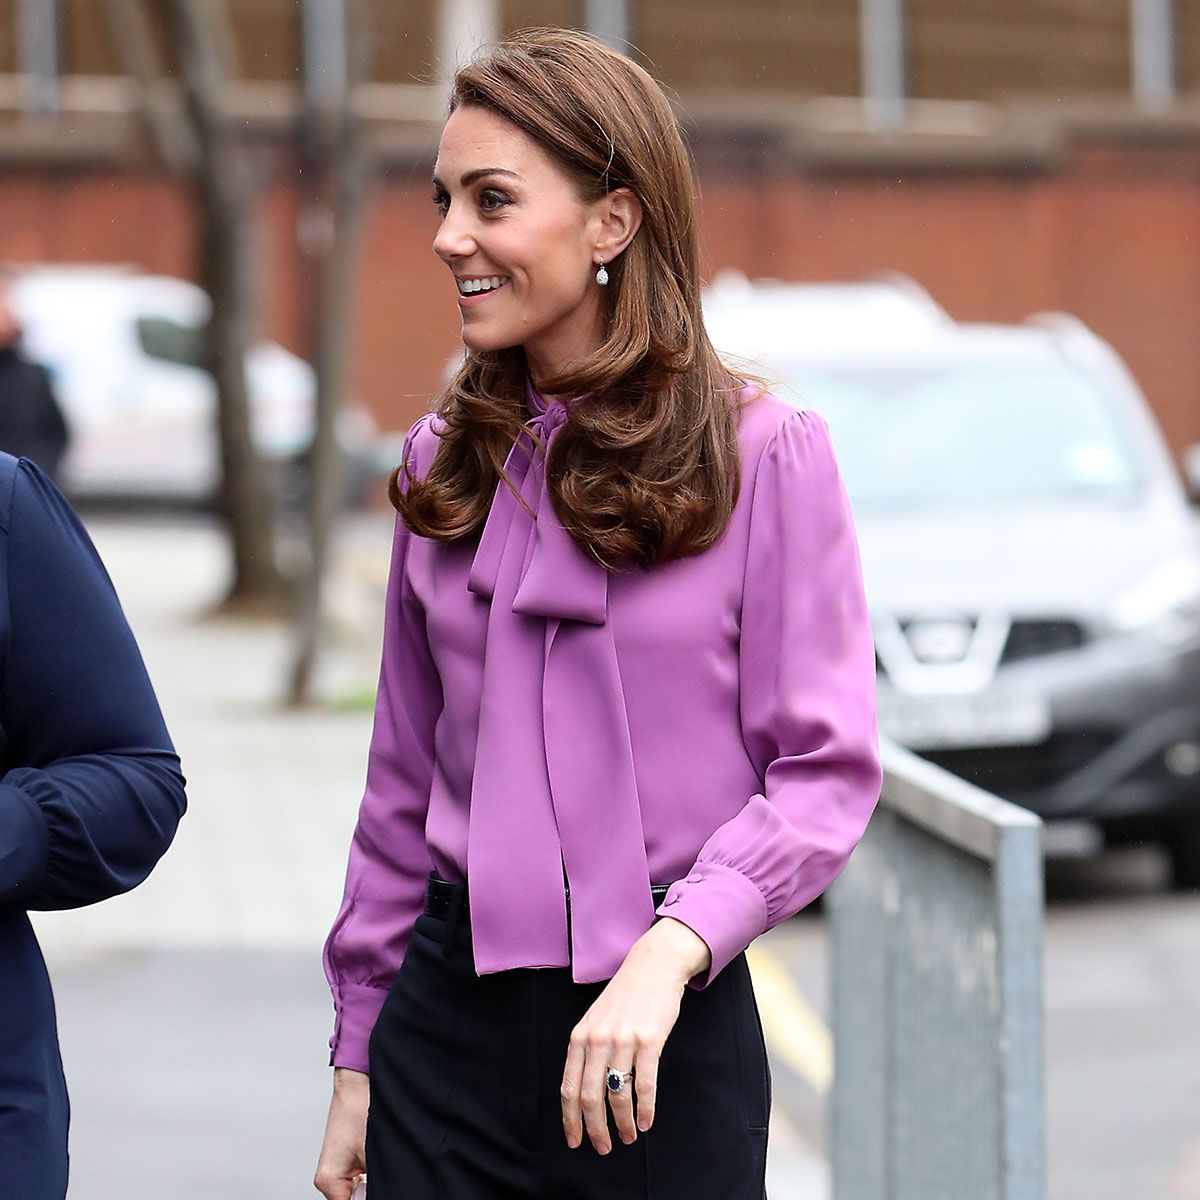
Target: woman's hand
point(343, 1153)
point(626, 1028)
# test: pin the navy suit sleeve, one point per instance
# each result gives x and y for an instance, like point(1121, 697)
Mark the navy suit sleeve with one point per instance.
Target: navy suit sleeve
point(91, 791)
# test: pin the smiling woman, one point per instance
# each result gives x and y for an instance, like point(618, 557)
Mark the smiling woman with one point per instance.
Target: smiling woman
point(561, 168)
point(625, 721)
point(522, 236)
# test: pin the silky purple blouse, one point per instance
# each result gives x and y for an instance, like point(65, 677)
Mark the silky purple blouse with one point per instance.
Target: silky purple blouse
point(543, 725)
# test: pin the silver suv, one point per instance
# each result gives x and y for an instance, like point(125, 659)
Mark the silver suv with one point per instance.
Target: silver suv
point(1031, 559)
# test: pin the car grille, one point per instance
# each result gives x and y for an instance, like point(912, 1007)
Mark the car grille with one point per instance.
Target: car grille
point(1016, 771)
point(1029, 639)
point(1032, 639)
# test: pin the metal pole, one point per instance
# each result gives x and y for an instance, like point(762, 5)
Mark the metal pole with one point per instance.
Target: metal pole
point(609, 20)
point(1152, 52)
point(37, 47)
point(463, 26)
point(323, 30)
point(884, 61)
point(936, 935)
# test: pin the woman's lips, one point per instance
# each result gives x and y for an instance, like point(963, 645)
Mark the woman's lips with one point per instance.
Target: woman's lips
point(472, 299)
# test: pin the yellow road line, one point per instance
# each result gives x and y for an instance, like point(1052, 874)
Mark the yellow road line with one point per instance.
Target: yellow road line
point(794, 1030)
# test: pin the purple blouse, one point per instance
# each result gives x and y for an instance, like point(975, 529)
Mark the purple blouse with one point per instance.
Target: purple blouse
point(544, 725)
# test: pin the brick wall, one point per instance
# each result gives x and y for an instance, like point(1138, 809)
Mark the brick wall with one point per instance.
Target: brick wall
point(1112, 235)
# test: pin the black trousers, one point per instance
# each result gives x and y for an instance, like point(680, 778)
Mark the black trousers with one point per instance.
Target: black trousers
point(465, 1077)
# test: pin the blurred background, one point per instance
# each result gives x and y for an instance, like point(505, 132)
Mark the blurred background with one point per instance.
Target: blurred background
point(968, 233)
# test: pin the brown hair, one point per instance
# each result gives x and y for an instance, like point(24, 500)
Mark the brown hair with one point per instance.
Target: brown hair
point(646, 468)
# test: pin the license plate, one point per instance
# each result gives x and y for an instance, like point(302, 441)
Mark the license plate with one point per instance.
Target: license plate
point(949, 722)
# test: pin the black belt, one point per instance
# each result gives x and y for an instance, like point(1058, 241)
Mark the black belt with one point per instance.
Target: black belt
point(438, 895)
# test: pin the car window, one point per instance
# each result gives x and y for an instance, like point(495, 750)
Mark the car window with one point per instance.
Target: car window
point(987, 432)
point(171, 341)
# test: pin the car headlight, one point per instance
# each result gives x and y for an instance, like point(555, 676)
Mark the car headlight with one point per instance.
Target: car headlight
point(1165, 602)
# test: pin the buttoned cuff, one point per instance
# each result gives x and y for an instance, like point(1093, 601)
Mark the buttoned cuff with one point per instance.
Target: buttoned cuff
point(24, 844)
point(721, 905)
point(357, 1009)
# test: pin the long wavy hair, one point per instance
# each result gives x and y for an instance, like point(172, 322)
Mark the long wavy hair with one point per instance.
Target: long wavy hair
point(646, 467)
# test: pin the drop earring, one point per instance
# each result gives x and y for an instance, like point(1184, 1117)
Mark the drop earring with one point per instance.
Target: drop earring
point(602, 274)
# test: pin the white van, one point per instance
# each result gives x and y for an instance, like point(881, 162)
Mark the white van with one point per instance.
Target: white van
point(125, 353)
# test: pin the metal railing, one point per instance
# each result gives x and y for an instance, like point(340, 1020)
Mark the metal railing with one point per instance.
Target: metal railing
point(937, 996)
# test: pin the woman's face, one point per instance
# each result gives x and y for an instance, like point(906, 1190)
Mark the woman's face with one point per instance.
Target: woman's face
point(521, 243)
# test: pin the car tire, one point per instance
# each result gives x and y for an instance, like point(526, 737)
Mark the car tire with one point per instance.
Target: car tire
point(1183, 851)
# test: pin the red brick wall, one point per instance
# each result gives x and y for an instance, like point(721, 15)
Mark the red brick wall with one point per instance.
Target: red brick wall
point(1113, 236)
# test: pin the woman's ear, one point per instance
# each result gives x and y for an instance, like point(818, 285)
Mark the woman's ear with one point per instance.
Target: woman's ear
point(620, 213)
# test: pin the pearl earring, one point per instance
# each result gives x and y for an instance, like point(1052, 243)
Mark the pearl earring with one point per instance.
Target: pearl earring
point(602, 274)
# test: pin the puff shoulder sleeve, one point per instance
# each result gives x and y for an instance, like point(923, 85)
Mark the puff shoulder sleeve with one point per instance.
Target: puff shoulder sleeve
point(807, 704)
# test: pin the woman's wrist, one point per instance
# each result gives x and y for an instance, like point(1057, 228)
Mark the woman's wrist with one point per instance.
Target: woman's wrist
point(678, 947)
point(346, 1078)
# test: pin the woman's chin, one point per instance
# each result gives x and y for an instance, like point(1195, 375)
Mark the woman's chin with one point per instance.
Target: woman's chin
point(480, 341)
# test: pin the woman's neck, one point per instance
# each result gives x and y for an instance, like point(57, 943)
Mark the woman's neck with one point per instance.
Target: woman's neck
point(548, 357)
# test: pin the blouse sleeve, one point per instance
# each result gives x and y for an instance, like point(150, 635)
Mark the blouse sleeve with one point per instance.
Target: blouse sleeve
point(389, 861)
point(807, 699)
point(90, 787)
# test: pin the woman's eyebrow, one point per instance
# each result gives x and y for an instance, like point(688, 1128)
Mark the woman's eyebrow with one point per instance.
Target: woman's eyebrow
point(473, 176)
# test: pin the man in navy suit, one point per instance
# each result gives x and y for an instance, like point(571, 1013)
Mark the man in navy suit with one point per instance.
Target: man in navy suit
point(90, 792)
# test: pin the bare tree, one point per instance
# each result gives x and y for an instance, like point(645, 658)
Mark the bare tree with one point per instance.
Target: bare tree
point(200, 145)
point(331, 181)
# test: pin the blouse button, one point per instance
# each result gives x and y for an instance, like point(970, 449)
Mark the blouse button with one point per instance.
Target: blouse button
point(694, 878)
point(672, 899)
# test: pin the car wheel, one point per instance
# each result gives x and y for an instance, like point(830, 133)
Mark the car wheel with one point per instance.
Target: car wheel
point(1183, 849)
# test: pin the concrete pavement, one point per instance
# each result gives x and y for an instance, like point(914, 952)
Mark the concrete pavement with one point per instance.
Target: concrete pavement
point(194, 1014)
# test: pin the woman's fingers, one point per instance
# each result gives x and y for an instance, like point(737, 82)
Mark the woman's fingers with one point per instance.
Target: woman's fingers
point(571, 1085)
point(585, 1095)
point(645, 1079)
point(621, 1102)
point(625, 1028)
point(595, 1110)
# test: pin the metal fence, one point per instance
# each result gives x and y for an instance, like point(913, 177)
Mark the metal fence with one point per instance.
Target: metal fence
point(937, 996)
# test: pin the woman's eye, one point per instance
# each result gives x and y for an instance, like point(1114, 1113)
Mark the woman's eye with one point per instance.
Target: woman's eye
point(489, 201)
point(441, 202)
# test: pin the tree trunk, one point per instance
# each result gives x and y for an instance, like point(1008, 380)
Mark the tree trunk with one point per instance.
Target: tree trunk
point(332, 174)
point(246, 503)
point(222, 190)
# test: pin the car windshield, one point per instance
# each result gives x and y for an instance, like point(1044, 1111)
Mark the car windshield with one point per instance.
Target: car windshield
point(982, 433)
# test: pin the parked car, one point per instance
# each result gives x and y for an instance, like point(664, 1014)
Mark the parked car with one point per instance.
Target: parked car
point(1031, 559)
point(126, 350)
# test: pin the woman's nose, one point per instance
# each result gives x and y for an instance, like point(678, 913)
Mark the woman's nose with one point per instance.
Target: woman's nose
point(452, 240)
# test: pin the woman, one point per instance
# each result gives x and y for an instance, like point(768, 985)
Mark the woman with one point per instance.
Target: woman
point(626, 711)
point(90, 792)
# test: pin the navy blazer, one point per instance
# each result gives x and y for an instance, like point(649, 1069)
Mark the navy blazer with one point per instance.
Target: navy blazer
point(90, 791)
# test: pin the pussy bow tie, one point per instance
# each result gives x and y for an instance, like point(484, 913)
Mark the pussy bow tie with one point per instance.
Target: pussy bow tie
point(554, 801)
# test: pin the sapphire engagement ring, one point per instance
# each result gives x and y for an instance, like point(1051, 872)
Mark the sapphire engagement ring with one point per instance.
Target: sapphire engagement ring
point(617, 1080)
